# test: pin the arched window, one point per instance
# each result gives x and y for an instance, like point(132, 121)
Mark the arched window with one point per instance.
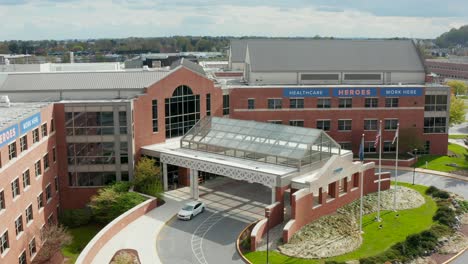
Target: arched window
point(182, 111)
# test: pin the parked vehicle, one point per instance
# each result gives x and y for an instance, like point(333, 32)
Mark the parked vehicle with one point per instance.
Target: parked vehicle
point(190, 210)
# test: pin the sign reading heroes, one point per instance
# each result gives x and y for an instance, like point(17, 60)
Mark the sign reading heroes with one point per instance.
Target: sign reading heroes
point(403, 91)
point(8, 135)
point(306, 92)
point(354, 92)
point(30, 123)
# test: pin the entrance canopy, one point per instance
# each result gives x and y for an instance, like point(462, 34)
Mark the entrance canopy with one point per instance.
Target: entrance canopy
point(263, 142)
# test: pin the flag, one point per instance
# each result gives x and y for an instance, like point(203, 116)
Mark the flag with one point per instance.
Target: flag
point(396, 134)
point(377, 138)
point(361, 149)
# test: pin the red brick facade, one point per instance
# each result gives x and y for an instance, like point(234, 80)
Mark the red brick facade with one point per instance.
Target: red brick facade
point(15, 207)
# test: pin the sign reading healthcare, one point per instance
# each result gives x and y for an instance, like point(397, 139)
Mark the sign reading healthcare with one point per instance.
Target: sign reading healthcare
point(8, 135)
point(401, 91)
point(354, 92)
point(30, 123)
point(306, 92)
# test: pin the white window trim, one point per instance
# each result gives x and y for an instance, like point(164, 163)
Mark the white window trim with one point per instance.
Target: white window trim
point(28, 223)
point(48, 161)
point(370, 119)
point(9, 243)
point(19, 189)
point(51, 196)
point(398, 121)
point(26, 255)
point(40, 165)
point(338, 126)
point(22, 224)
point(29, 248)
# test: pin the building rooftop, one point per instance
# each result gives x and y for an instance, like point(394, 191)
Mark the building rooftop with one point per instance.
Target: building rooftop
point(18, 111)
point(80, 80)
point(334, 55)
point(189, 65)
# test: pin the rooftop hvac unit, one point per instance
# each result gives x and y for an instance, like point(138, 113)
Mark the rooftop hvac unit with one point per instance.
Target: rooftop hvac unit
point(4, 101)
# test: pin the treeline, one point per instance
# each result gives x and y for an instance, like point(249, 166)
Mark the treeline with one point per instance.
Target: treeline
point(116, 46)
point(453, 38)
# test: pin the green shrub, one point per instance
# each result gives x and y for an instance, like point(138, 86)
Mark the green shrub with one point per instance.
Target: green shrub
point(148, 178)
point(445, 216)
point(75, 217)
point(121, 186)
point(431, 190)
point(108, 204)
point(441, 194)
point(245, 244)
point(441, 230)
point(463, 206)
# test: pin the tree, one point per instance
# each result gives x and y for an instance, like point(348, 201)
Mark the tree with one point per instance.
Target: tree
point(457, 111)
point(148, 177)
point(54, 238)
point(457, 87)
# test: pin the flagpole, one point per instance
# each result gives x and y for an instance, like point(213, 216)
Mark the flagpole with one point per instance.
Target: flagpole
point(397, 137)
point(380, 171)
point(361, 181)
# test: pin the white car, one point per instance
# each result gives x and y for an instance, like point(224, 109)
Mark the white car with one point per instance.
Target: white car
point(190, 210)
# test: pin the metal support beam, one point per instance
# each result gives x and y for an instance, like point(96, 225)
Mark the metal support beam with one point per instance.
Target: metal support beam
point(165, 177)
point(273, 195)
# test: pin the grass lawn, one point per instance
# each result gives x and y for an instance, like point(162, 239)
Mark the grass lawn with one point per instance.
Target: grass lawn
point(375, 240)
point(458, 136)
point(81, 236)
point(439, 163)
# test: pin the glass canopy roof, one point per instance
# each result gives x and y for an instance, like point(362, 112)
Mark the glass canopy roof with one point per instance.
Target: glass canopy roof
point(264, 142)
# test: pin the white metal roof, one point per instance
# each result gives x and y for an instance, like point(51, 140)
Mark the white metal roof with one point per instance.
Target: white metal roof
point(18, 111)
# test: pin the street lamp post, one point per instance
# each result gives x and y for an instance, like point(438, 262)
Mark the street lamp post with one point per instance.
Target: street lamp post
point(414, 167)
point(267, 212)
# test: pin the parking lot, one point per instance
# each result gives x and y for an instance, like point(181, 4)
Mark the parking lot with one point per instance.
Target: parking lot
point(210, 237)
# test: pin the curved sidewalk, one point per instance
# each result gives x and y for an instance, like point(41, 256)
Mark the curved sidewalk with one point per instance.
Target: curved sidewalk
point(419, 170)
point(142, 233)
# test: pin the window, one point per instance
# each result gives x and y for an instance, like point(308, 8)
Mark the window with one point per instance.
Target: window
point(371, 102)
point(362, 77)
point(23, 143)
point(54, 154)
point(298, 123)
point(278, 122)
point(48, 193)
point(50, 219)
point(154, 110)
point(346, 145)
point(435, 103)
point(22, 258)
point(208, 104)
point(52, 125)
point(40, 201)
point(250, 103)
point(91, 178)
point(389, 147)
point(344, 125)
point(26, 179)
point(226, 104)
point(12, 150)
point(345, 102)
point(435, 125)
point(323, 103)
point(35, 135)
point(4, 244)
point(29, 214)
point(296, 103)
point(46, 161)
point(123, 122)
point(320, 77)
point(56, 183)
point(15, 189)
point(391, 102)
point(391, 124)
point(37, 168)
point(182, 111)
point(275, 104)
point(44, 130)
point(2, 200)
point(19, 225)
point(370, 124)
point(369, 147)
point(32, 247)
point(323, 124)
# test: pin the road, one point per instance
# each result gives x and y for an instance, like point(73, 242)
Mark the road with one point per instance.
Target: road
point(460, 129)
point(449, 184)
point(210, 237)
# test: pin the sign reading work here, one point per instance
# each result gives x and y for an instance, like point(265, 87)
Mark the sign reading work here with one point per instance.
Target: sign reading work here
point(306, 92)
point(403, 91)
point(30, 123)
point(8, 135)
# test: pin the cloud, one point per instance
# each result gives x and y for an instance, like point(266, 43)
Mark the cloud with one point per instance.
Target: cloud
point(69, 19)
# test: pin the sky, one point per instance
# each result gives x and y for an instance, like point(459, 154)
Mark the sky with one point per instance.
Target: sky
point(84, 19)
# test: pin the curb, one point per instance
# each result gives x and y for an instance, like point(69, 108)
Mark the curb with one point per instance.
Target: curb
point(456, 256)
point(238, 242)
point(438, 173)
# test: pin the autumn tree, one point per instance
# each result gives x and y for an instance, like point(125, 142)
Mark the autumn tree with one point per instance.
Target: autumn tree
point(54, 237)
point(457, 87)
point(457, 111)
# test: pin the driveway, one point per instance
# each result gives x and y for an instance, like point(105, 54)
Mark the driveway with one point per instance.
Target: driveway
point(210, 237)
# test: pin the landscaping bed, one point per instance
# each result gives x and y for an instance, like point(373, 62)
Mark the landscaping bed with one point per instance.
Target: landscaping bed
point(403, 236)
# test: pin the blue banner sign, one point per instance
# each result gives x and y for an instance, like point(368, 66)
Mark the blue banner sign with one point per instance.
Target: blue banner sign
point(306, 92)
point(354, 92)
point(402, 91)
point(8, 135)
point(30, 123)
